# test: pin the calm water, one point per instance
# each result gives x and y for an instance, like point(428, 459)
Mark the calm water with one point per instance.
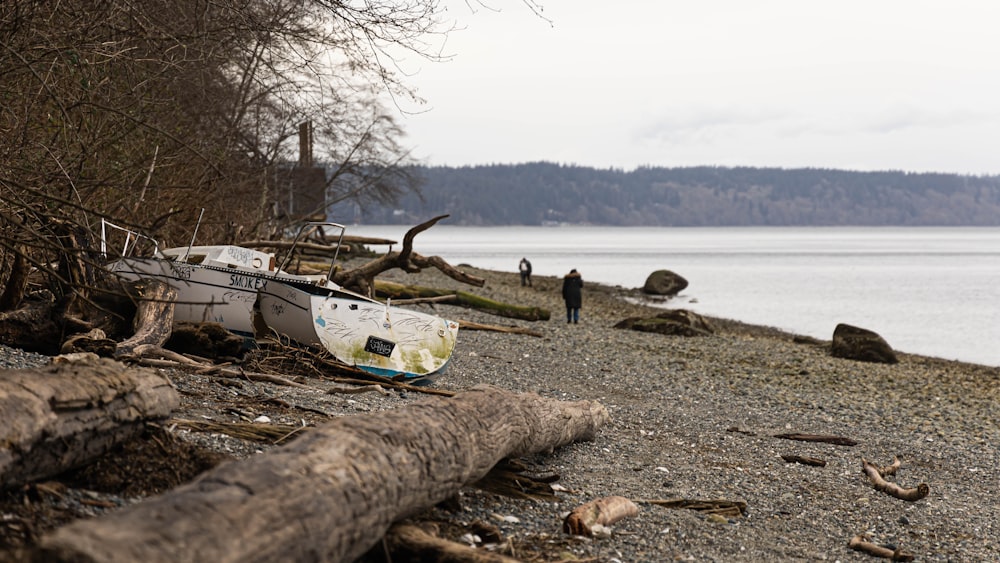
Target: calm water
point(931, 291)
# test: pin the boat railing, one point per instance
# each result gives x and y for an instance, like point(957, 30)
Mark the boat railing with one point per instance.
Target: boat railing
point(303, 231)
point(130, 241)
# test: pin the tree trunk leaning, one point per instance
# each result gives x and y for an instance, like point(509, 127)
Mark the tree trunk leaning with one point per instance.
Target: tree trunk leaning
point(154, 317)
point(334, 492)
point(66, 414)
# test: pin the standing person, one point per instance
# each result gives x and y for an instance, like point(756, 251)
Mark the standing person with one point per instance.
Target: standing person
point(572, 292)
point(525, 268)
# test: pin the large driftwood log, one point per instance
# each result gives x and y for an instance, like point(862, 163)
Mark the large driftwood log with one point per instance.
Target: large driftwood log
point(68, 413)
point(331, 494)
point(391, 290)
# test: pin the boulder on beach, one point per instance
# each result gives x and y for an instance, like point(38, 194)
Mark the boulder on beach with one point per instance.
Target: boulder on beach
point(664, 282)
point(675, 322)
point(854, 343)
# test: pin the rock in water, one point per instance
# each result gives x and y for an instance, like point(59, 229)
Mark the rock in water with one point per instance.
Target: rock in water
point(664, 282)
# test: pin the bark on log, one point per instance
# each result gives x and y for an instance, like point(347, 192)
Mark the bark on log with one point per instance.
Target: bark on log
point(331, 494)
point(874, 474)
point(153, 318)
point(603, 511)
point(66, 414)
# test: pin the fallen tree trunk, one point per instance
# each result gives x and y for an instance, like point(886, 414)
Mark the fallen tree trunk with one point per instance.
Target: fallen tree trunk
point(392, 290)
point(332, 494)
point(67, 414)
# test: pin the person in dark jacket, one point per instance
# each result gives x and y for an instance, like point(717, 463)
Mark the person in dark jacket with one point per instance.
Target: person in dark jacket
point(572, 292)
point(525, 268)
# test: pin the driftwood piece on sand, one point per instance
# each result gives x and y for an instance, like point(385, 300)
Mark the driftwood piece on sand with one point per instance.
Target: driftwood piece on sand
point(603, 511)
point(332, 494)
point(804, 460)
point(859, 543)
point(409, 542)
point(394, 291)
point(825, 438)
point(875, 475)
point(67, 413)
point(470, 325)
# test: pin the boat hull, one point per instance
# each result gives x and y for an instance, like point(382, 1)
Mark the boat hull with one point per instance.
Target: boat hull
point(204, 293)
point(381, 339)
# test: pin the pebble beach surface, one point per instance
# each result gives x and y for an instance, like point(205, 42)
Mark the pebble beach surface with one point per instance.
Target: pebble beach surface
point(697, 418)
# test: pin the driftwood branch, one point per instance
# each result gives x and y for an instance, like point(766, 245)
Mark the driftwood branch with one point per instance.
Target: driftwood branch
point(892, 489)
point(394, 291)
point(825, 438)
point(409, 542)
point(730, 508)
point(470, 325)
point(813, 461)
point(859, 543)
point(332, 493)
point(603, 511)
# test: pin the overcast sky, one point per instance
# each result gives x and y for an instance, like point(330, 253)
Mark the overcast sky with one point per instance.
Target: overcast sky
point(860, 85)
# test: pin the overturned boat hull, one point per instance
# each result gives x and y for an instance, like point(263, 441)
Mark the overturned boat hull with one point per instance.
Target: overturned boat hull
point(373, 336)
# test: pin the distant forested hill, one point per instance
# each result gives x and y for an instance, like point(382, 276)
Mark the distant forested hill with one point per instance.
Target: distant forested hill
point(536, 193)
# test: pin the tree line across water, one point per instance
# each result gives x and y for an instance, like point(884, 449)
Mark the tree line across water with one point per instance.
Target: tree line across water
point(544, 193)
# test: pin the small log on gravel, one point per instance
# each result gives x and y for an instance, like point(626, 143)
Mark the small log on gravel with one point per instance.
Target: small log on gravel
point(331, 494)
point(465, 299)
point(813, 461)
point(874, 474)
point(859, 543)
point(409, 542)
point(825, 438)
point(604, 511)
point(68, 413)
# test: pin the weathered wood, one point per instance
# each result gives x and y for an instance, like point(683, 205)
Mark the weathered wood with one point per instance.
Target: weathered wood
point(362, 278)
point(603, 511)
point(392, 290)
point(860, 543)
point(154, 316)
point(408, 542)
point(332, 493)
point(68, 413)
point(874, 474)
point(471, 325)
point(825, 438)
point(813, 461)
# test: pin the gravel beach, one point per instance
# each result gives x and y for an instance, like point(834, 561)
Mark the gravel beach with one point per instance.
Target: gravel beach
point(697, 418)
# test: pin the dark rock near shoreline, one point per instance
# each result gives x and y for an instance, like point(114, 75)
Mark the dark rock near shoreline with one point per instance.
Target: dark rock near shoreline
point(664, 282)
point(675, 322)
point(854, 343)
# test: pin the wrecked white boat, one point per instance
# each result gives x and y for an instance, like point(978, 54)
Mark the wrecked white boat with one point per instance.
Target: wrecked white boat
point(374, 336)
point(216, 284)
point(230, 284)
